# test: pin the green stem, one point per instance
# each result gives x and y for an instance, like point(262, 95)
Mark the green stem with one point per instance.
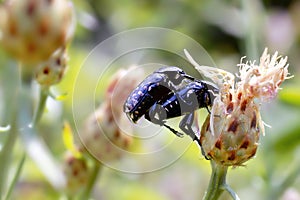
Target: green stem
point(231, 192)
point(20, 109)
point(253, 18)
point(10, 109)
point(287, 182)
point(217, 183)
point(44, 92)
point(93, 177)
point(6, 154)
point(16, 177)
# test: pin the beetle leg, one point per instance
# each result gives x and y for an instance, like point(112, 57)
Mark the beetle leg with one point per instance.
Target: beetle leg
point(173, 130)
point(152, 112)
point(186, 126)
point(161, 123)
point(150, 116)
point(207, 109)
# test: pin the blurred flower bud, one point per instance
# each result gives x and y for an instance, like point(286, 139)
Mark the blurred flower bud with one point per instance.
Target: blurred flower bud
point(102, 137)
point(51, 72)
point(230, 134)
point(31, 30)
point(76, 172)
point(103, 134)
point(121, 85)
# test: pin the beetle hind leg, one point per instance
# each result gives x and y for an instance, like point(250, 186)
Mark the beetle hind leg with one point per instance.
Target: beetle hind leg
point(150, 116)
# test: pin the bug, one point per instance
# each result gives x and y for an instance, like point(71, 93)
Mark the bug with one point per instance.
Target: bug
point(168, 93)
point(156, 87)
point(184, 103)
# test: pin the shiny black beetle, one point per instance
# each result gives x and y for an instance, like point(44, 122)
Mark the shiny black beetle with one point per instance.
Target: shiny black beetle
point(156, 87)
point(184, 102)
point(167, 93)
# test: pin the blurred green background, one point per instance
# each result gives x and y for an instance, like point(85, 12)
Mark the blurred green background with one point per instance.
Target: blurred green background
point(227, 30)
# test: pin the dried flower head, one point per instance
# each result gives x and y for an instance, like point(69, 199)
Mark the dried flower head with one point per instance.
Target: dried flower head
point(103, 135)
point(230, 134)
point(31, 30)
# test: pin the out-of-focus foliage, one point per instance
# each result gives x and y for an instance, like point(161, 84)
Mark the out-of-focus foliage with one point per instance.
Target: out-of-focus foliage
point(226, 29)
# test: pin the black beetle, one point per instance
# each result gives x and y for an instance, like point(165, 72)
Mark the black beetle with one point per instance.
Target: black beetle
point(156, 87)
point(184, 102)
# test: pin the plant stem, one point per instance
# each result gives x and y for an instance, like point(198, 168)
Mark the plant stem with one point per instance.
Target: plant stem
point(20, 110)
point(16, 176)
point(93, 177)
point(231, 192)
point(5, 155)
point(44, 91)
point(253, 17)
point(11, 106)
point(278, 190)
point(217, 183)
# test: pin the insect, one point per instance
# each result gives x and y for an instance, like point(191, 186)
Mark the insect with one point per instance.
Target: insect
point(184, 102)
point(156, 87)
point(167, 93)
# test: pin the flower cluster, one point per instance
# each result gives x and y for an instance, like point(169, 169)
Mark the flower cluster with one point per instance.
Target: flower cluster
point(231, 132)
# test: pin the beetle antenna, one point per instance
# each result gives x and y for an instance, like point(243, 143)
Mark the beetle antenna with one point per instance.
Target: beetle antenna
point(189, 77)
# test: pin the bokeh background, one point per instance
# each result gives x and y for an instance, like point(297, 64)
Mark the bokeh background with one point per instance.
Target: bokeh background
point(227, 30)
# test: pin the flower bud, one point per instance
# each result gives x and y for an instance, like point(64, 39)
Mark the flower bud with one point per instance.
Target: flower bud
point(103, 134)
point(233, 138)
point(102, 137)
point(51, 72)
point(31, 30)
point(77, 173)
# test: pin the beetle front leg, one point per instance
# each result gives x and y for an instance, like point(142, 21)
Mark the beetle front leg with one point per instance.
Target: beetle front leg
point(186, 126)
